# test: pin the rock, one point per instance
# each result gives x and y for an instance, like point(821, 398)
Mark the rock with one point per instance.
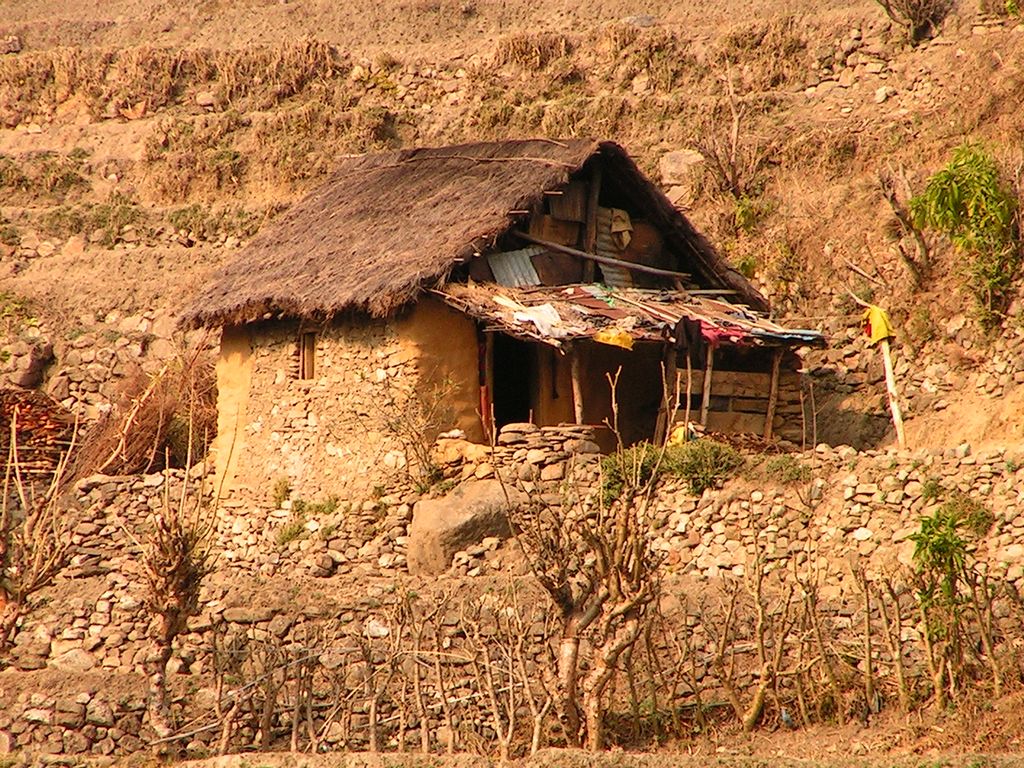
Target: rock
point(99, 713)
point(441, 527)
point(75, 660)
point(882, 94)
point(206, 99)
point(37, 715)
point(10, 44)
point(681, 167)
point(74, 246)
point(245, 615)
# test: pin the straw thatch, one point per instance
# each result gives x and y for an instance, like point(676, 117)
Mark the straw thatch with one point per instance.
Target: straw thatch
point(384, 227)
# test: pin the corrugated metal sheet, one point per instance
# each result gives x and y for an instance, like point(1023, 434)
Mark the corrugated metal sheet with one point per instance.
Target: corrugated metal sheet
point(515, 268)
point(605, 245)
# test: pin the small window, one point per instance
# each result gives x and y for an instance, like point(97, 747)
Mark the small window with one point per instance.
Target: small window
point(307, 355)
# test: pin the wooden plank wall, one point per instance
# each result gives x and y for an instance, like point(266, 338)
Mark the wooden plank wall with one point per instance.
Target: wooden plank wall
point(739, 403)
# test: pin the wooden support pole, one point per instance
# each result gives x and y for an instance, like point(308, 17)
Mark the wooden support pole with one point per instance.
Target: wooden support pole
point(487, 402)
point(590, 235)
point(890, 386)
point(576, 374)
point(773, 395)
point(709, 367)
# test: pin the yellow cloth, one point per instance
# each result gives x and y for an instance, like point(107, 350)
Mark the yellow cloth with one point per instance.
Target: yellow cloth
point(614, 336)
point(877, 325)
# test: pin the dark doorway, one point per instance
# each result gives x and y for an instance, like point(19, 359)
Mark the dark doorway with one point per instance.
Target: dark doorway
point(514, 374)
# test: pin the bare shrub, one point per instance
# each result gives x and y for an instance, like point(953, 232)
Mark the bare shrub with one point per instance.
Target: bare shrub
point(413, 416)
point(176, 558)
point(769, 52)
point(592, 554)
point(919, 18)
point(167, 418)
point(736, 158)
point(895, 188)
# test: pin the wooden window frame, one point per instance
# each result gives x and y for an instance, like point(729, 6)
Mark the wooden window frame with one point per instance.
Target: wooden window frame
point(307, 355)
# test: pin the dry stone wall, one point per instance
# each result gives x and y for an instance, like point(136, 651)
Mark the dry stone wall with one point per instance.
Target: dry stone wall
point(842, 512)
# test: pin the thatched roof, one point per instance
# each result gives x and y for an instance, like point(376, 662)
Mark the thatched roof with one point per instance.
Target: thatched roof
point(385, 227)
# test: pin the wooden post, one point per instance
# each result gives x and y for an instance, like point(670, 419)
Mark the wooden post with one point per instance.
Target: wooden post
point(590, 236)
point(490, 428)
point(689, 394)
point(705, 401)
point(890, 386)
point(773, 395)
point(577, 384)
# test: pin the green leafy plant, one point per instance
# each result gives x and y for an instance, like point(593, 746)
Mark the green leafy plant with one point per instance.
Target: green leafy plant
point(282, 489)
point(787, 470)
point(968, 201)
point(954, 596)
point(703, 463)
point(291, 530)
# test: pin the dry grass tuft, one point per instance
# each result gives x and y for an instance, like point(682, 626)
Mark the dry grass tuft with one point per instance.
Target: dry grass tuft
point(533, 50)
point(146, 79)
point(189, 158)
point(768, 52)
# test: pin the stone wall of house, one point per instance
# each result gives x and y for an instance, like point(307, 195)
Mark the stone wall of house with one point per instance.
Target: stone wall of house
point(379, 390)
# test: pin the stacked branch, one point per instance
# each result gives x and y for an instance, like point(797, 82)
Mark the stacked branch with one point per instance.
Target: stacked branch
point(35, 541)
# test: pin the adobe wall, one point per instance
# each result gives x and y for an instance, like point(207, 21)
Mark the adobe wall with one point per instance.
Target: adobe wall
point(330, 435)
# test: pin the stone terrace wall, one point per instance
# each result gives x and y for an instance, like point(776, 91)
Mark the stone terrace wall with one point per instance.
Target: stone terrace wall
point(851, 509)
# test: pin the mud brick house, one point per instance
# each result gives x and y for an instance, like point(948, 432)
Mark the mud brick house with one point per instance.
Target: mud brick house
point(508, 280)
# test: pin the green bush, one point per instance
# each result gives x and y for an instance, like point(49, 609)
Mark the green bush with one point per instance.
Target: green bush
point(968, 201)
point(628, 469)
point(787, 470)
point(293, 529)
point(282, 489)
point(942, 546)
point(703, 463)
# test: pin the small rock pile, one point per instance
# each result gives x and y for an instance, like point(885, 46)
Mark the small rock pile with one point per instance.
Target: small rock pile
point(23, 362)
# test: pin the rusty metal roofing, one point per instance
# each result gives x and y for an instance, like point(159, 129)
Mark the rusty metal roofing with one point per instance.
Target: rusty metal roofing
point(554, 315)
point(515, 268)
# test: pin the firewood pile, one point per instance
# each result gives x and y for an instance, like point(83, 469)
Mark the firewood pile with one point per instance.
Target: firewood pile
point(42, 430)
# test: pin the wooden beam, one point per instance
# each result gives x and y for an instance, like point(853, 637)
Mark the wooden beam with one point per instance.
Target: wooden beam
point(773, 394)
point(576, 373)
point(599, 259)
point(590, 235)
point(709, 367)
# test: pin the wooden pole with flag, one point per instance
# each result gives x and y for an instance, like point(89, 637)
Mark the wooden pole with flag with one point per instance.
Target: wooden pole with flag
point(880, 331)
point(894, 398)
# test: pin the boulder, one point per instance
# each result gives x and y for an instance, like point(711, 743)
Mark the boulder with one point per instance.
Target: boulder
point(681, 167)
point(466, 516)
